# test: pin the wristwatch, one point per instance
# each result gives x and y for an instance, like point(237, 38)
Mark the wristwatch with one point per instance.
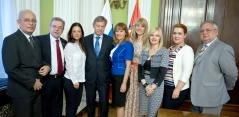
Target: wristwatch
point(145, 85)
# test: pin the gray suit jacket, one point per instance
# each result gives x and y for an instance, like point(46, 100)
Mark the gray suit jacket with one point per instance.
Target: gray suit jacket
point(214, 73)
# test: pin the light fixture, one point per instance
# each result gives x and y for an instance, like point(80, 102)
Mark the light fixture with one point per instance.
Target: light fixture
point(118, 4)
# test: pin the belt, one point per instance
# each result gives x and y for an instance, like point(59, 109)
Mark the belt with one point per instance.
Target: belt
point(54, 76)
point(134, 64)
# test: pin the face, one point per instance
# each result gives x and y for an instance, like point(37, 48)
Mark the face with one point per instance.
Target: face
point(208, 33)
point(120, 34)
point(99, 28)
point(27, 22)
point(139, 29)
point(56, 29)
point(76, 33)
point(154, 38)
point(178, 36)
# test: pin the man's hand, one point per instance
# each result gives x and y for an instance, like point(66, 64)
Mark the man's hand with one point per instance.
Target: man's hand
point(44, 70)
point(76, 85)
point(37, 85)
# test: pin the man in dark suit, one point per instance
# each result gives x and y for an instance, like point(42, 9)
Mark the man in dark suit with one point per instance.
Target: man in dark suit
point(22, 61)
point(52, 52)
point(97, 69)
point(214, 72)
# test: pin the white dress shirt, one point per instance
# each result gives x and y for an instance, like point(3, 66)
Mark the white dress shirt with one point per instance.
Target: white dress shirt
point(75, 63)
point(54, 64)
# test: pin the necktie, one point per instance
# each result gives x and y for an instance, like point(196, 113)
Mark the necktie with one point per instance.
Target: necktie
point(200, 53)
point(59, 59)
point(97, 46)
point(31, 42)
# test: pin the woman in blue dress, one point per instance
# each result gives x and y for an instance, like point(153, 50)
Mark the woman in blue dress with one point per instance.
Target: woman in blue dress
point(121, 56)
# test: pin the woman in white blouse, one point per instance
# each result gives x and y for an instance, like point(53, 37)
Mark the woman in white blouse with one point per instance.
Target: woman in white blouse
point(181, 58)
point(74, 77)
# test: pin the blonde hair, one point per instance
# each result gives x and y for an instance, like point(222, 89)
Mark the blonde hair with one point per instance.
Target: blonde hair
point(144, 23)
point(121, 26)
point(160, 39)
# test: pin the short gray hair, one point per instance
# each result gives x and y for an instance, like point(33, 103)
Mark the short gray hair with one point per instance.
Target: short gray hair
point(210, 22)
point(57, 19)
point(100, 19)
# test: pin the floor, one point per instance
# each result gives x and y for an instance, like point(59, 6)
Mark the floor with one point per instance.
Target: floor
point(184, 111)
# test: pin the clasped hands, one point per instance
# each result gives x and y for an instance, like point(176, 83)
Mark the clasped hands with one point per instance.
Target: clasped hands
point(149, 90)
point(42, 71)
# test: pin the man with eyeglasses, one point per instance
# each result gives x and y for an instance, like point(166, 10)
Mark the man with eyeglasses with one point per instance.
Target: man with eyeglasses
point(52, 52)
point(22, 61)
point(214, 72)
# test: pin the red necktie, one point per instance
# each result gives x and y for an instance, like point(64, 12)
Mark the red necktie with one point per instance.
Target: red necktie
point(59, 59)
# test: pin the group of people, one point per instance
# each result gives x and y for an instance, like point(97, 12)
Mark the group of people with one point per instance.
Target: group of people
point(142, 72)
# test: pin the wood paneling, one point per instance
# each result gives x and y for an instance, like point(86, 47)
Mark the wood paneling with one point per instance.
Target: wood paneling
point(192, 12)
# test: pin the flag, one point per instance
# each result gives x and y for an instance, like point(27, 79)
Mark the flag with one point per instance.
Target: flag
point(135, 16)
point(106, 12)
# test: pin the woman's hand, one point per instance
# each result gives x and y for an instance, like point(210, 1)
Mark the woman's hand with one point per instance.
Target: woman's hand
point(149, 90)
point(175, 94)
point(123, 87)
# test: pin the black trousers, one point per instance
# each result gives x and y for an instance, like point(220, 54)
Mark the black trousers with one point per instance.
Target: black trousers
point(52, 97)
point(103, 91)
point(28, 107)
point(170, 103)
point(73, 97)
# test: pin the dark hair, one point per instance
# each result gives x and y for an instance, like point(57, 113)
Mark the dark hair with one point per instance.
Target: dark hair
point(71, 39)
point(121, 26)
point(185, 30)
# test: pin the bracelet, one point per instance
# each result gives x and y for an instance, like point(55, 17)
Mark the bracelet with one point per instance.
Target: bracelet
point(124, 81)
point(145, 85)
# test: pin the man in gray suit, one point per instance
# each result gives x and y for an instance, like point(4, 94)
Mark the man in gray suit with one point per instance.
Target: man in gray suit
point(214, 72)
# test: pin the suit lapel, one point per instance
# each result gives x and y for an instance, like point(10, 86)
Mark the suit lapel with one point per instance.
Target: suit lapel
point(207, 51)
point(91, 45)
point(28, 45)
point(63, 43)
point(48, 47)
point(103, 45)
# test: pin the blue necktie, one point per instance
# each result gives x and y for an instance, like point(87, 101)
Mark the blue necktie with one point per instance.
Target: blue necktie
point(97, 46)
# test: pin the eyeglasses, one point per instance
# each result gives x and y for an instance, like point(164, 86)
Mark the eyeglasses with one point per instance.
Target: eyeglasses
point(207, 30)
point(57, 27)
point(28, 21)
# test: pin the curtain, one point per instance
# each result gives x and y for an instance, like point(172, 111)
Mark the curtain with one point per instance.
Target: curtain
point(9, 10)
point(82, 11)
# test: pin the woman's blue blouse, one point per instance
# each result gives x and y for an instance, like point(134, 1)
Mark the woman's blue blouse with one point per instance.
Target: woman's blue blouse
point(124, 52)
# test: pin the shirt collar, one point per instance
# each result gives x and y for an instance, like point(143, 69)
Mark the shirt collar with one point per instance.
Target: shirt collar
point(26, 35)
point(53, 39)
point(101, 36)
point(208, 44)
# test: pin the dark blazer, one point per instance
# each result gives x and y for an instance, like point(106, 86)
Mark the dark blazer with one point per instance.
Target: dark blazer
point(98, 67)
point(45, 42)
point(21, 62)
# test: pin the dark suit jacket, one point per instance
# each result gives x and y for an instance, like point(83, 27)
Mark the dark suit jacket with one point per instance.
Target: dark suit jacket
point(45, 42)
point(98, 68)
point(21, 62)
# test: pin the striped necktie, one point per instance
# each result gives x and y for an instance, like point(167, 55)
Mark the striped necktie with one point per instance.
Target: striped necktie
point(200, 53)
